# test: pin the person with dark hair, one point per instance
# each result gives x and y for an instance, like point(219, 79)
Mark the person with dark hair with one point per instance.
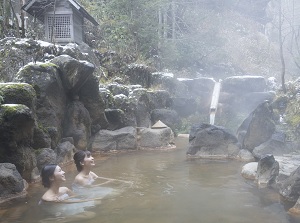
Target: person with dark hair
point(52, 178)
point(60, 203)
point(84, 163)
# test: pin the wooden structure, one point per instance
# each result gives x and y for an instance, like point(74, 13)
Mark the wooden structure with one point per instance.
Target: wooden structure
point(63, 19)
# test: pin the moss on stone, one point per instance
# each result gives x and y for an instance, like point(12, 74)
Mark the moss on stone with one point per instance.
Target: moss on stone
point(38, 68)
point(41, 127)
point(38, 151)
point(18, 93)
point(48, 65)
point(8, 111)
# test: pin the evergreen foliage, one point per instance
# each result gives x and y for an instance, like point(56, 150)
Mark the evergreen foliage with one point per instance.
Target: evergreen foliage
point(198, 37)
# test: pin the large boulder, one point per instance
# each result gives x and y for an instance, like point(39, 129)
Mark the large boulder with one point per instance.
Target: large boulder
point(290, 188)
point(275, 145)
point(142, 113)
point(155, 138)
point(41, 138)
point(45, 156)
point(18, 93)
point(115, 118)
point(244, 84)
point(288, 163)
point(251, 100)
point(249, 170)
point(167, 82)
point(245, 155)
point(16, 132)
point(128, 106)
point(16, 52)
point(80, 51)
point(210, 141)
point(78, 124)
point(257, 128)
point(242, 94)
point(184, 106)
point(198, 86)
point(65, 151)
point(159, 99)
point(159, 78)
point(93, 102)
point(79, 81)
point(51, 97)
point(11, 182)
point(73, 72)
point(201, 90)
point(241, 102)
point(267, 171)
point(121, 139)
point(23, 93)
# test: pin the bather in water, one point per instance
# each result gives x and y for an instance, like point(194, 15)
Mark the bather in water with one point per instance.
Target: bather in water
point(60, 203)
point(84, 162)
point(52, 178)
point(84, 182)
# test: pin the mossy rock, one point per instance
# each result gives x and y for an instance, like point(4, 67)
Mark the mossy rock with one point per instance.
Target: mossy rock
point(18, 93)
point(13, 112)
point(36, 69)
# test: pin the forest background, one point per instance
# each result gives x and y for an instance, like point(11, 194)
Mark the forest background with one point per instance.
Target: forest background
point(191, 38)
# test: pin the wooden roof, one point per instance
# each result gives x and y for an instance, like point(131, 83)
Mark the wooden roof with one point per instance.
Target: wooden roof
point(37, 8)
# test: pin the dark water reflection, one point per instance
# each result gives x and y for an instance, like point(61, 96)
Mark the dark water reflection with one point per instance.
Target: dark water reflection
point(167, 187)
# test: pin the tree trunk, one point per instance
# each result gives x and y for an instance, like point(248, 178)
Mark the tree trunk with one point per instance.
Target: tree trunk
point(53, 23)
point(165, 22)
point(173, 20)
point(160, 23)
point(281, 48)
point(22, 19)
point(15, 20)
point(5, 16)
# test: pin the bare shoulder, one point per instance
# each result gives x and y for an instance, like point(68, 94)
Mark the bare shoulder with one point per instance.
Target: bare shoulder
point(46, 197)
point(94, 175)
point(79, 179)
point(63, 190)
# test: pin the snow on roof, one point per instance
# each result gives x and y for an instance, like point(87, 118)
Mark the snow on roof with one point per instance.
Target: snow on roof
point(33, 6)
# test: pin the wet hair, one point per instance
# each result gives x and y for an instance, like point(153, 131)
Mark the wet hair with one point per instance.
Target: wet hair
point(79, 157)
point(46, 173)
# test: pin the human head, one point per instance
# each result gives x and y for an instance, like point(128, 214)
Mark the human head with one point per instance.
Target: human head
point(46, 173)
point(52, 173)
point(79, 158)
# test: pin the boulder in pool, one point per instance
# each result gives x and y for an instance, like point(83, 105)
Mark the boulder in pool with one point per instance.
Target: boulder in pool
point(210, 141)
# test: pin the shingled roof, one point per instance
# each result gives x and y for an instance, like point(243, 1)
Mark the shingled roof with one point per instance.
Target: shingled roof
point(37, 8)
